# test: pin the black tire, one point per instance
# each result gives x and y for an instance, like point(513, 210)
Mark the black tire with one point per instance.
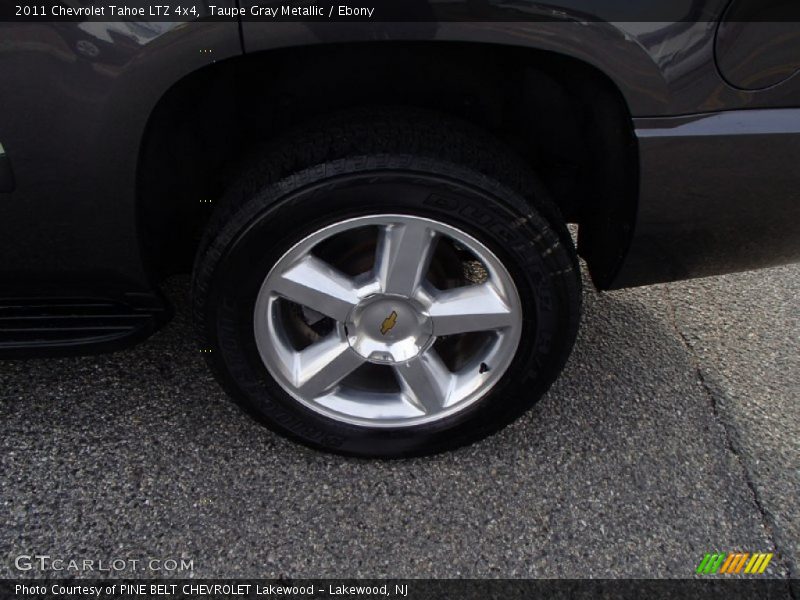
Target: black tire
point(360, 163)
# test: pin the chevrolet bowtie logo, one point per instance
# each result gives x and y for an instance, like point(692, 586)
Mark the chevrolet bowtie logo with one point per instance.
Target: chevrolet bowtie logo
point(389, 323)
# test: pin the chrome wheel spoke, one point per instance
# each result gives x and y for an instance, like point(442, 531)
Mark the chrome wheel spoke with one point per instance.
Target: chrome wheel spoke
point(403, 256)
point(425, 382)
point(315, 284)
point(471, 308)
point(324, 364)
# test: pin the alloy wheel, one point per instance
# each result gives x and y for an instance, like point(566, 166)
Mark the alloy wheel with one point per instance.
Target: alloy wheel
point(388, 320)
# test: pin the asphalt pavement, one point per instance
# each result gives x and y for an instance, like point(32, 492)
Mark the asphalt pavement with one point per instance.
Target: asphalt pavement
point(674, 431)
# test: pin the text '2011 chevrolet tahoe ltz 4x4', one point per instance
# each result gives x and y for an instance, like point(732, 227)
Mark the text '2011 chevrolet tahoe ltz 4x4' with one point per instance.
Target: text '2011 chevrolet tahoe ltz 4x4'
point(374, 211)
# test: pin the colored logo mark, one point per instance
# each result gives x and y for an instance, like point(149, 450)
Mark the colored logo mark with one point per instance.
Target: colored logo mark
point(389, 323)
point(734, 563)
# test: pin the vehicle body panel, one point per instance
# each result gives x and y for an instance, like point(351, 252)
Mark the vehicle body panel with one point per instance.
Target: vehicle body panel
point(76, 98)
point(758, 43)
point(716, 191)
point(661, 69)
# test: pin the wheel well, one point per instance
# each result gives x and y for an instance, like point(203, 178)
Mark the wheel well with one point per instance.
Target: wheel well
point(563, 116)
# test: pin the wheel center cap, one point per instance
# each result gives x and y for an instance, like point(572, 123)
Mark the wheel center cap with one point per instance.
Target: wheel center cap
point(388, 329)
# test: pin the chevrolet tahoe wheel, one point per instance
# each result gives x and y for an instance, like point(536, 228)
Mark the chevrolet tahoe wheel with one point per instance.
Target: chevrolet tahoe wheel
point(383, 347)
point(387, 284)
